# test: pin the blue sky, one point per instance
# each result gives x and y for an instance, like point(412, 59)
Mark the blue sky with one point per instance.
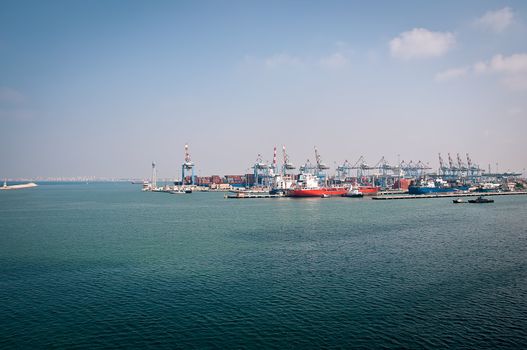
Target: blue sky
point(102, 88)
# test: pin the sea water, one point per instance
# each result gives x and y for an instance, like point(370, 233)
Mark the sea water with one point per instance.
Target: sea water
point(106, 265)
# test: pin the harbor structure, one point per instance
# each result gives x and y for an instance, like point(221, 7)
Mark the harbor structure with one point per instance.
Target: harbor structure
point(153, 182)
point(6, 187)
point(287, 165)
point(321, 168)
point(456, 174)
point(261, 171)
point(186, 167)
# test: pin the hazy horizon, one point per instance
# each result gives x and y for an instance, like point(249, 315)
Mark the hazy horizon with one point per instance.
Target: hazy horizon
point(103, 88)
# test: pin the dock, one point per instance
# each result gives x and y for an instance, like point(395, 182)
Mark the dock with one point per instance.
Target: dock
point(449, 195)
point(392, 192)
point(244, 196)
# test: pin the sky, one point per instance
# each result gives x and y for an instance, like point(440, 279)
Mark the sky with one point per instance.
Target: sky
point(103, 88)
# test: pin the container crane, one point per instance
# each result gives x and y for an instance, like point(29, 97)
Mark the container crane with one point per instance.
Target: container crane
point(307, 167)
point(287, 164)
point(463, 170)
point(473, 169)
point(320, 165)
point(344, 170)
point(443, 169)
point(453, 169)
point(260, 169)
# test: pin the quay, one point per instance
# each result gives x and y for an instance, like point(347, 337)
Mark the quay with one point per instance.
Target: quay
point(17, 187)
point(449, 195)
point(392, 192)
point(244, 195)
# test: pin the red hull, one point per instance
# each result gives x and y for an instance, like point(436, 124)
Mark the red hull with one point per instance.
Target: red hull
point(319, 192)
point(368, 190)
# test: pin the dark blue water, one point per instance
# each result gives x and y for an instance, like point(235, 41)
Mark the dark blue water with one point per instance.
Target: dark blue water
point(105, 265)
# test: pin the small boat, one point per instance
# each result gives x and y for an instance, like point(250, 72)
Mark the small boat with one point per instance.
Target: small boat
point(354, 193)
point(458, 200)
point(325, 195)
point(481, 200)
point(188, 190)
point(176, 192)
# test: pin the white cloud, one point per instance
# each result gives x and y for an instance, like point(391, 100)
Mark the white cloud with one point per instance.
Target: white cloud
point(512, 70)
point(451, 74)
point(497, 21)
point(282, 59)
point(480, 67)
point(334, 61)
point(421, 43)
point(516, 63)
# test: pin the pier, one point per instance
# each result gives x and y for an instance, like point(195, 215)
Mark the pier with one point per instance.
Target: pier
point(450, 195)
point(17, 187)
point(244, 195)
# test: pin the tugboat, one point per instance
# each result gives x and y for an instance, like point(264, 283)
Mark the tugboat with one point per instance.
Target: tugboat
point(481, 200)
point(354, 193)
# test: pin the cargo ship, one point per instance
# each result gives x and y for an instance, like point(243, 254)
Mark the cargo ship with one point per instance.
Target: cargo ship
point(308, 186)
point(368, 190)
point(437, 186)
point(359, 191)
point(317, 192)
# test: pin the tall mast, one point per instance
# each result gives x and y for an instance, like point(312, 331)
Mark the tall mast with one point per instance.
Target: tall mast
point(154, 175)
point(274, 159)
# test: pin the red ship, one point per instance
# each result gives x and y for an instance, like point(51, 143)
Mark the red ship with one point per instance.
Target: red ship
point(368, 190)
point(317, 192)
point(308, 187)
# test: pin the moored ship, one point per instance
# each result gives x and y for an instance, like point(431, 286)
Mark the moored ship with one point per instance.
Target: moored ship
point(317, 192)
point(308, 186)
point(368, 190)
point(437, 186)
